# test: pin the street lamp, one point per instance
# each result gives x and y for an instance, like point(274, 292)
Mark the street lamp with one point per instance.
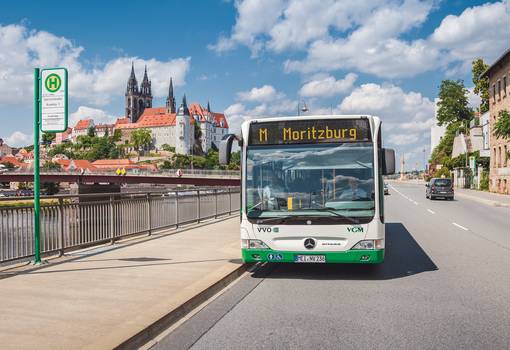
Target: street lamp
point(301, 107)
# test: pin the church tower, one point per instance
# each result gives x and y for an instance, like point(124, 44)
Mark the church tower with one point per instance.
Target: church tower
point(137, 99)
point(132, 96)
point(183, 129)
point(146, 92)
point(170, 100)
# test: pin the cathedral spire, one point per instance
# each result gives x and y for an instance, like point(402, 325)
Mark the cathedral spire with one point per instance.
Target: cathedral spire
point(170, 100)
point(145, 87)
point(132, 85)
point(183, 109)
point(208, 107)
point(171, 89)
point(145, 77)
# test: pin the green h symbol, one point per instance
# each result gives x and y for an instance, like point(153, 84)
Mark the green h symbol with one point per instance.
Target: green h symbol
point(53, 82)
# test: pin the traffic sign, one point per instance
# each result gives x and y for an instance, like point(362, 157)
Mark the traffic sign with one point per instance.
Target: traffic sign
point(53, 100)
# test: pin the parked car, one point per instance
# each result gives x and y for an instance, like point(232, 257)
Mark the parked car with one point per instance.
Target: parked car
point(439, 188)
point(386, 190)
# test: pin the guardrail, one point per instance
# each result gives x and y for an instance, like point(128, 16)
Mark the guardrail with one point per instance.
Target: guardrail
point(231, 174)
point(71, 222)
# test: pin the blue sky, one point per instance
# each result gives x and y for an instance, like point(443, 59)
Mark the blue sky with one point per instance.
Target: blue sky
point(252, 58)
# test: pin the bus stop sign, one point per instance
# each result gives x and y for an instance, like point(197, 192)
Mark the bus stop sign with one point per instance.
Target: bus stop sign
point(53, 100)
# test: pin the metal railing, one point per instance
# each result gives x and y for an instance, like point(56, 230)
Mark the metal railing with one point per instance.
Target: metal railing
point(71, 222)
point(231, 174)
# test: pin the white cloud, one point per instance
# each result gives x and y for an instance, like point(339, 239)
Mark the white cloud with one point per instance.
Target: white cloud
point(474, 99)
point(260, 102)
point(406, 116)
point(262, 94)
point(19, 139)
point(83, 112)
point(327, 86)
point(480, 31)
point(389, 102)
point(22, 49)
point(403, 139)
point(374, 47)
point(370, 36)
point(255, 17)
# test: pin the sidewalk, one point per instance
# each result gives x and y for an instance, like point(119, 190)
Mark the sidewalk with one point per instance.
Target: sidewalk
point(106, 295)
point(489, 198)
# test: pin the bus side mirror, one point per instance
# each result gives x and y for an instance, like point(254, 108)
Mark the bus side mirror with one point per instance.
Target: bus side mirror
point(388, 161)
point(226, 148)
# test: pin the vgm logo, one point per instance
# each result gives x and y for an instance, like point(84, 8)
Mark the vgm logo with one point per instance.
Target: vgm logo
point(268, 229)
point(355, 229)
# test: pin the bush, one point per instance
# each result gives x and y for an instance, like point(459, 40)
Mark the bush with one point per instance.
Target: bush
point(484, 181)
point(444, 171)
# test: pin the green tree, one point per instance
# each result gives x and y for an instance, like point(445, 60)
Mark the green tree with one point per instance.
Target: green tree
point(481, 84)
point(181, 161)
point(453, 105)
point(442, 153)
point(502, 126)
point(235, 161)
point(141, 139)
point(51, 166)
point(47, 138)
point(166, 147)
point(91, 132)
point(166, 165)
point(444, 171)
point(8, 165)
point(117, 135)
point(50, 188)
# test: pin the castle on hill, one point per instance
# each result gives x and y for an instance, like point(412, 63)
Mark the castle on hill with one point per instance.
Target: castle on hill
point(168, 125)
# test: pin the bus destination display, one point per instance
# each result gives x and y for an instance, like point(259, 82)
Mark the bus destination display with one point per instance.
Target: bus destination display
point(309, 131)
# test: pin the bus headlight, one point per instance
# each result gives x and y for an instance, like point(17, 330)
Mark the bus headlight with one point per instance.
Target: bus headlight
point(370, 244)
point(253, 244)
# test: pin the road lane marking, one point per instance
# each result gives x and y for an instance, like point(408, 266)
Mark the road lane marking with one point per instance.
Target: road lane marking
point(460, 226)
point(403, 195)
point(431, 211)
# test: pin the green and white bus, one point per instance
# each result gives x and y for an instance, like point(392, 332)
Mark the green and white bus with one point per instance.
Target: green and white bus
point(312, 188)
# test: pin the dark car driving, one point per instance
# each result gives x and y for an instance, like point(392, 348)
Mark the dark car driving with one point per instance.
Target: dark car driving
point(439, 188)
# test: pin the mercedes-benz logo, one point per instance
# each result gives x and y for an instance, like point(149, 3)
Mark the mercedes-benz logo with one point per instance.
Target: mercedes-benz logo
point(310, 243)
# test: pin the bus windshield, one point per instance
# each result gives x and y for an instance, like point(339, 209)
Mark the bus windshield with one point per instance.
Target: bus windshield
point(334, 183)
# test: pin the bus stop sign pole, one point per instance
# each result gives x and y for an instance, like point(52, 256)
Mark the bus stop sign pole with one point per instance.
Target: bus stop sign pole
point(37, 199)
point(50, 116)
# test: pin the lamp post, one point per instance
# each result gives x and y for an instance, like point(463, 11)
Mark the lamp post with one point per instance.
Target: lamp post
point(301, 107)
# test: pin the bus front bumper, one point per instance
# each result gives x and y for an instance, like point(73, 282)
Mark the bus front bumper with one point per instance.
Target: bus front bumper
point(348, 257)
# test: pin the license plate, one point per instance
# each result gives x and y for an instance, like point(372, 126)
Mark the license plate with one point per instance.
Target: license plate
point(310, 258)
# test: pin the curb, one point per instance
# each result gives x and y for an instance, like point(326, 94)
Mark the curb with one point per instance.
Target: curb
point(484, 201)
point(157, 327)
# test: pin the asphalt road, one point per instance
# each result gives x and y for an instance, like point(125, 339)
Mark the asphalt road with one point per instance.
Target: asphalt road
point(445, 283)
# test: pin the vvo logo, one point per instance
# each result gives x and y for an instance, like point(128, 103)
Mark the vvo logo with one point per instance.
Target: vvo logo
point(268, 229)
point(355, 229)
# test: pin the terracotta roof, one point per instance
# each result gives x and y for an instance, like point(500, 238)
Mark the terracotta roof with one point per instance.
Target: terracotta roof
point(104, 126)
point(113, 162)
point(155, 110)
point(10, 159)
point(158, 116)
point(219, 118)
point(81, 164)
point(197, 109)
point(64, 163)
point(83, 124)
point(121, 121)
point(147, 120)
